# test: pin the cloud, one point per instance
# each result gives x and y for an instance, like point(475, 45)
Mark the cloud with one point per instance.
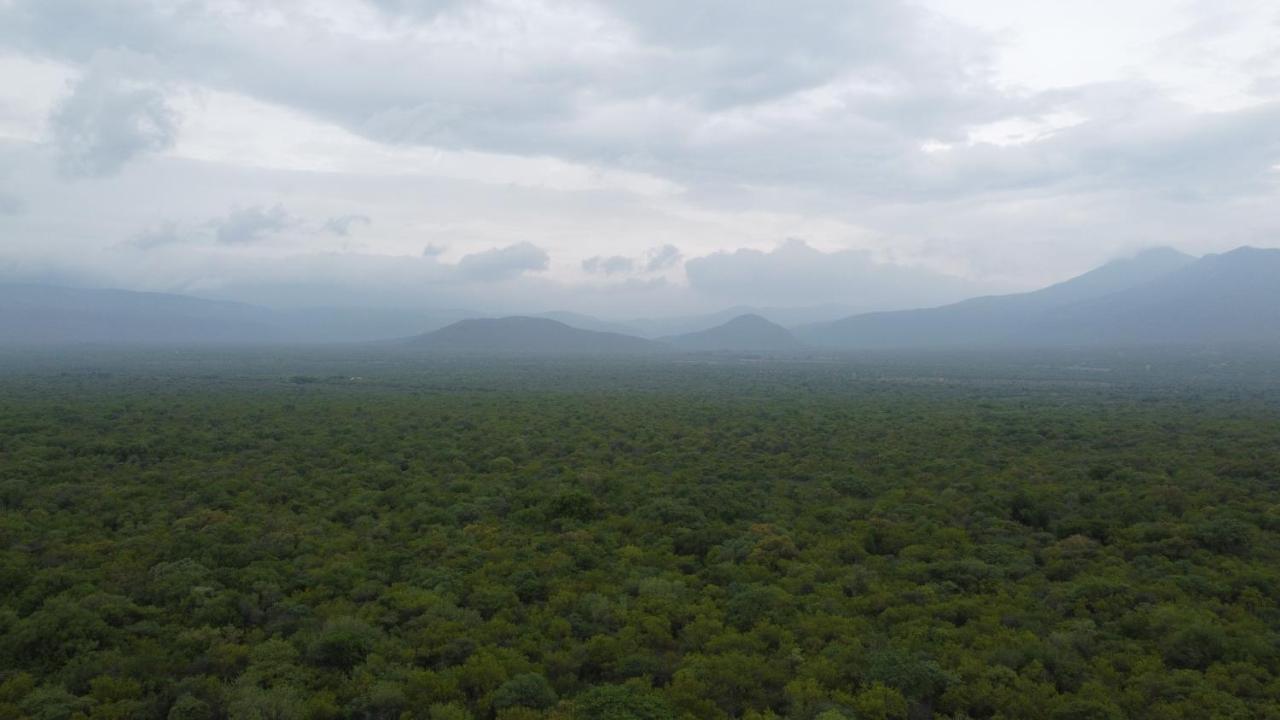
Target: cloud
point(343, 224)
point(796, 274)
point(827, 97)
point(661, 258)
point(10, 204)
point(600, 265)
point(166, 233)
point(111, 116)
point(868, 123)
point(503, 263)
point(243, 226)
point(433, 250)
point(725, 93)
point(654, 260)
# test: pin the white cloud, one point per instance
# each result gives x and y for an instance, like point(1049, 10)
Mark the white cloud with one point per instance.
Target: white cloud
point(111, 116)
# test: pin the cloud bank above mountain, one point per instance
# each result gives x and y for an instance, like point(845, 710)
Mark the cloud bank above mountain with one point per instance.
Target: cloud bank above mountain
point(654, 149)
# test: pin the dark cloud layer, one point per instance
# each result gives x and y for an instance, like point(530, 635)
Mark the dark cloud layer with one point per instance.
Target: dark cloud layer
point(813, 93)
point(503, 263)
point(703, 93)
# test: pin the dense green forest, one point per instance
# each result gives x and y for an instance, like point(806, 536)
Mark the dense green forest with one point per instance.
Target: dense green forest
point(454, 540)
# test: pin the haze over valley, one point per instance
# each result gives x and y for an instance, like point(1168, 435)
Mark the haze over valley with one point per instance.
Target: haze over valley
point(1159, 297)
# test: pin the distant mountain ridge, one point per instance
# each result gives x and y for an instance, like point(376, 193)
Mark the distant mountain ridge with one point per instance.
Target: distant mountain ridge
point(744, 333)
point(534, 335)
point(53, 315)
point(1157, 297)
point(1232, 297)
point(658, 327)
point(39, 314)
point(588, 322)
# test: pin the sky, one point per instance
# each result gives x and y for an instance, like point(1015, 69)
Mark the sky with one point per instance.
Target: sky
point(627, 158)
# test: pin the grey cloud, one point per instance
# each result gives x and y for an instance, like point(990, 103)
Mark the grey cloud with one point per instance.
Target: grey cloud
point(716, 94)
point(503, 263)
point(110, 117)
point(343, 224)
point(416, 8)
point(661, 258)
point(433, 250)
point(1137, 140)
point(726, 54)
point(247, 225)
point(10, 204)
point(813, 96)
point(166, 233)
point(796, 274)
point(654, 260)
point(815, 110)
point(406, 281)
point(601, 265)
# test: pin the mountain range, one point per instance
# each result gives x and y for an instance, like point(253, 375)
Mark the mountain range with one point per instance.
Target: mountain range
point(1158, 297)
point(744, 333)
point(532, 335)
point(51, 315)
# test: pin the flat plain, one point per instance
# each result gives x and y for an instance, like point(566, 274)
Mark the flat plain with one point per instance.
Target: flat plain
point(347, 533)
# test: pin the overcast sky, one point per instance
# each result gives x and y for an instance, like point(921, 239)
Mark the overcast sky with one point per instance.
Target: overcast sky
point(627, 157)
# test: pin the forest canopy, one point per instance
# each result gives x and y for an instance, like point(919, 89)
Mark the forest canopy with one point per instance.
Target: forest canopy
point(614, 541)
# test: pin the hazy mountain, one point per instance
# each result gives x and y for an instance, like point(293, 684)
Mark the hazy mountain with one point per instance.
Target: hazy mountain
point(1157, 298)
point(587, 322)
point(1115, 276)
point(37, 314)
point(360, 324)
point(41, 314)
point(785, 316)
point(1233, 297)
point(992, 320)
point(543, 336)
point(745, 333)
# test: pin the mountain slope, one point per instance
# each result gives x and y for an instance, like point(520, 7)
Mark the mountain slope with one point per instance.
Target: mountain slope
point(51, 315)
point(1233, 297)
point(659, 327)
point(745, 333)
point(39, 314)
point(992, 320)
point(531, 335)
point(586, 322)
